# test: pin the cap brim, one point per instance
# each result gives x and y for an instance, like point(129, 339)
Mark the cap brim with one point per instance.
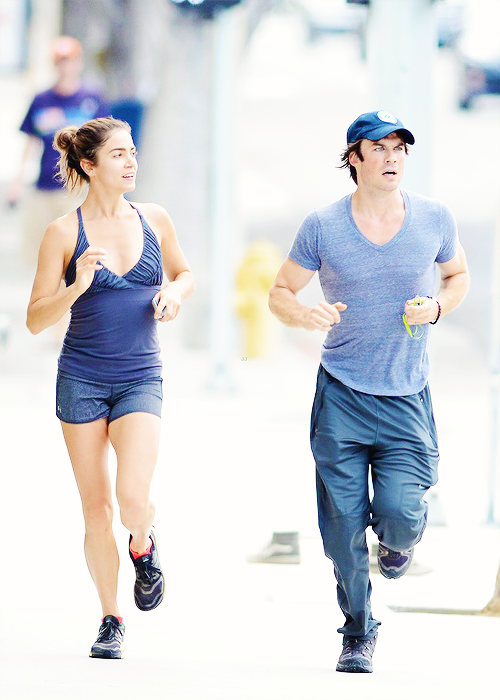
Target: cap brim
point(381, 132)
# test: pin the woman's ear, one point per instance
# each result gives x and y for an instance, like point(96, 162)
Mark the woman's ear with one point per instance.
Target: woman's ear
point(87, 167)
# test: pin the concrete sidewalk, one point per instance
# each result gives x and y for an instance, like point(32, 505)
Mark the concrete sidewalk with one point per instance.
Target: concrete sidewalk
point(233, 468)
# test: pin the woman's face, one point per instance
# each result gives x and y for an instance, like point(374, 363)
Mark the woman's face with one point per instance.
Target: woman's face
point(116, 166)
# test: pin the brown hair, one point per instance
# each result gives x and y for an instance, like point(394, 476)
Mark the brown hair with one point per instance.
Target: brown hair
point(82, 143)
point(356, 148)
point(344, 158)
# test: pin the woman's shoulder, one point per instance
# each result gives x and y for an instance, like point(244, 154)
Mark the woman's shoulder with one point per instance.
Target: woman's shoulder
point(150, 209)
point(156, 216)
point(62, 233)
point(65, 222)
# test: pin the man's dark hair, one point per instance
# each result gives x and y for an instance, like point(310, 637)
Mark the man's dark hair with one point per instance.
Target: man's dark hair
point(344, 158)
point(356, 148)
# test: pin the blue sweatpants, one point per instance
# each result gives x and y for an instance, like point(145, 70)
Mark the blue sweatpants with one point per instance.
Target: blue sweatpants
point(395, 436)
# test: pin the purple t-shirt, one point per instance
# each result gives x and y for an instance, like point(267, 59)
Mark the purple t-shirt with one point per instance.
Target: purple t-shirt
point(370, 350)
point(50, 112)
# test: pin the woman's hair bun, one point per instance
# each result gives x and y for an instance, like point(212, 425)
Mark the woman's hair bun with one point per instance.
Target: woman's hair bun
point(64, 138)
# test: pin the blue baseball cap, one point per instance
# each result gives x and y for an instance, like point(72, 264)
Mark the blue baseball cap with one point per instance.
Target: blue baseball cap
point(375, 126)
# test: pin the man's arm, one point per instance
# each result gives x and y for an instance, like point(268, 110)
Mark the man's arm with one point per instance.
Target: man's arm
point(284, 304)
point(455, 281)
point(31, 148)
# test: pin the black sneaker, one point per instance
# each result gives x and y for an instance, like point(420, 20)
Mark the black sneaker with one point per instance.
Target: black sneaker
point(393, 564)
point(149, 586)
point(356, 656)
point(109, 643)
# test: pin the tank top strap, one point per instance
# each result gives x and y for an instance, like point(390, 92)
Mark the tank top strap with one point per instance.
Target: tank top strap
point(81, 245)
point(145, 226)
point(137, 210)
point(150, 265)
point(149, 237)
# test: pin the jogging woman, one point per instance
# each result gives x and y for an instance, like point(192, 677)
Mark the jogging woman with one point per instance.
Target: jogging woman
point(113, 255)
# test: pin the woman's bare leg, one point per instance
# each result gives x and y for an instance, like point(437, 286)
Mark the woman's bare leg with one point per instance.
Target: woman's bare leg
point(136, 439)
point(88, 446)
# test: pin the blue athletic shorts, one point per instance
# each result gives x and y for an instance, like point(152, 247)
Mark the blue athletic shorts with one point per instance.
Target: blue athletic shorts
point(83, 400)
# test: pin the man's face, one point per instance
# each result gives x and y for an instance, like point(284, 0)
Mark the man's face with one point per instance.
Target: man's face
point(69, 67)
point(383, 163)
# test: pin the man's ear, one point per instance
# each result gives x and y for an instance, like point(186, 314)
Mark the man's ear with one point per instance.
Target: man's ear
point(353, 158)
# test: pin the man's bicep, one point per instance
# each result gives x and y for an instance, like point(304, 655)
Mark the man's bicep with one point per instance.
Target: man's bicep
point(456, 265)
point(293, 276)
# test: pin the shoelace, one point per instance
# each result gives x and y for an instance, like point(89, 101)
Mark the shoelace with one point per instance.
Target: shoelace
point(106, 631)
point(395, 555)
point(147, 570)
point(353, 644)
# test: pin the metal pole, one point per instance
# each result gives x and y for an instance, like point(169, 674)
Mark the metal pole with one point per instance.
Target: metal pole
point(401, 49)
point(493, 514)
point(401, 52)
point(222, 200)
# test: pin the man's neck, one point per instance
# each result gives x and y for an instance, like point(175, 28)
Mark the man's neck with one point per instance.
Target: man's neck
point(67, 87)
point(376, 204)
point(379, 217)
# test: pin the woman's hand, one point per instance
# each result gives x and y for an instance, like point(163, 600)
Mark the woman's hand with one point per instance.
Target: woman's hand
point(169, 302)
point(86, 265)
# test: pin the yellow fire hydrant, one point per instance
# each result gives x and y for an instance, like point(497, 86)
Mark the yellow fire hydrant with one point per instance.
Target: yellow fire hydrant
point(253, 280)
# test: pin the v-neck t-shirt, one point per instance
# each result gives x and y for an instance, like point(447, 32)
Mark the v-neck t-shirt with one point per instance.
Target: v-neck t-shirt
point(112, 335)
point(370, 350)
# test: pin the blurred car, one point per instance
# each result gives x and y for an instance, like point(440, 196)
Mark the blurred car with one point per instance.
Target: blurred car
point(479, 78)
point(479, 53)
point(449, 22)
point(342, 17)
point(333, 17)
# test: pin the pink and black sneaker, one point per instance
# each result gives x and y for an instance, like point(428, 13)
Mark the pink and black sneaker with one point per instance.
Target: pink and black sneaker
point(149, 587)
point(109, 643)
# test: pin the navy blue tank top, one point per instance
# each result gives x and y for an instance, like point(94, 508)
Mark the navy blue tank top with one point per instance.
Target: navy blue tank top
point(112, 334)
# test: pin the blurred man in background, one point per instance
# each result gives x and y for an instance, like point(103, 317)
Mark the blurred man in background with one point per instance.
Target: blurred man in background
point(67, 102)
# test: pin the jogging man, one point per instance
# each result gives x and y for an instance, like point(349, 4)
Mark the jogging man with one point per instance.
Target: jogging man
point(376, 252)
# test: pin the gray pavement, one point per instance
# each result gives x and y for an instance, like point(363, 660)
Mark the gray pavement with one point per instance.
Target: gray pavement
point(234, 467)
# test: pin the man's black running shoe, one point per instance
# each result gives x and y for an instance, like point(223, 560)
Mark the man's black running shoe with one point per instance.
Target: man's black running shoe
point(356, 656)
point(149, 586)
point(109, 643)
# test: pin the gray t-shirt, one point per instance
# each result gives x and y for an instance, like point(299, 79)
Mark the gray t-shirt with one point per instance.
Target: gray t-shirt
point(370, 350)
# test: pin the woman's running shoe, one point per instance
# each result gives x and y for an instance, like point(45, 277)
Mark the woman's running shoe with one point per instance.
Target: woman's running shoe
point(149, 587)
point(109, 643)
